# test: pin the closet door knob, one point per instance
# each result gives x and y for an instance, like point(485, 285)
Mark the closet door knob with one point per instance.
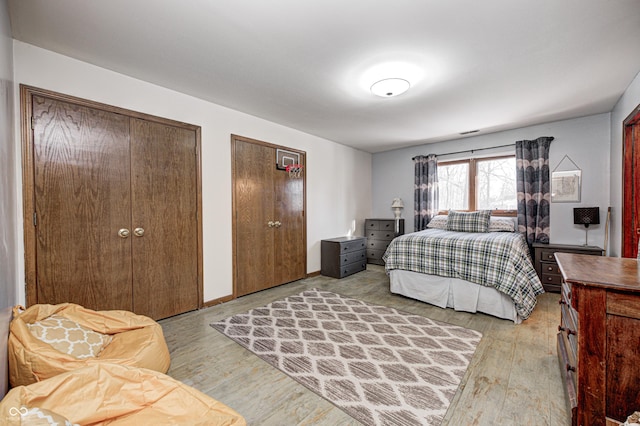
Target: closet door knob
point(277, 224)
point(123, 233)
point(139, 232)
point(270, 224)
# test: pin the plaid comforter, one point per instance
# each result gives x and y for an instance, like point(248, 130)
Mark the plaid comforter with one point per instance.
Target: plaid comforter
point(497, 259)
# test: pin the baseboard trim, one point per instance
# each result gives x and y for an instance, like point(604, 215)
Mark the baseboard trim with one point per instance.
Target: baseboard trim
point(217, 301)
point(313, 274)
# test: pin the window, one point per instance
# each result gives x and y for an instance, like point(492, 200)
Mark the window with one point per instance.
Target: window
point(479, 184)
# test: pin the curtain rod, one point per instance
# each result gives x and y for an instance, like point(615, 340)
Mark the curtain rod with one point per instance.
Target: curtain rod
point(474, 150)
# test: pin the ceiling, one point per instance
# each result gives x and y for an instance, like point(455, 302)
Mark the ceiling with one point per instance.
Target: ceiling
point(476, 65)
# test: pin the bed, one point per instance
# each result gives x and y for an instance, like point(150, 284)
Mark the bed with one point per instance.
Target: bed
point(467, 268)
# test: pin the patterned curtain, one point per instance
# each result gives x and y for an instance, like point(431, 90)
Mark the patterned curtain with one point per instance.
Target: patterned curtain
point(534, 188)
point(426, 190)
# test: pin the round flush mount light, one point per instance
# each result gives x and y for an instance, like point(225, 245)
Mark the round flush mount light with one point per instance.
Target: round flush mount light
point(390, 87)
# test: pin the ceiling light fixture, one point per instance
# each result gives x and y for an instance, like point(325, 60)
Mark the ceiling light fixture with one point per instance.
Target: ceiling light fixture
point(390, 87)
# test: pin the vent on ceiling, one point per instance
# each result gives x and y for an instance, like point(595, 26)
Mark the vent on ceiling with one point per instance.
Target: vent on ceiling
point(470, 131)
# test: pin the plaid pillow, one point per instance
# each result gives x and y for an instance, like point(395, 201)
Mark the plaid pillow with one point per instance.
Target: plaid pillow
point(468, 221)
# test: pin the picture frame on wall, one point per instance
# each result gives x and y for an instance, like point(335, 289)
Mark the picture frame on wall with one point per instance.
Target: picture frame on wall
point(566, 186)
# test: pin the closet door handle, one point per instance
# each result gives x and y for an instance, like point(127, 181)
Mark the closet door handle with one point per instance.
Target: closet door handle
point(123, 233)
point(138, 232)
point(270, 224)
point(277, 224)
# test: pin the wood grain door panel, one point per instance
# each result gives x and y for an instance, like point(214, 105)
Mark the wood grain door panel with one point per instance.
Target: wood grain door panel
point(90, 170)
point(81, 198)
point(164, 206)
point(290, 242)
point(631, 185)
point(253, 209)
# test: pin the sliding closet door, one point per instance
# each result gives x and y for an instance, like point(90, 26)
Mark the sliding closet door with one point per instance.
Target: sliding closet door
point(81, 197)
point(164, 219)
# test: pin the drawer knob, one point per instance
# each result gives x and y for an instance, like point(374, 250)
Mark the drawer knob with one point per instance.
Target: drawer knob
point(549, 278)
point(549, 268)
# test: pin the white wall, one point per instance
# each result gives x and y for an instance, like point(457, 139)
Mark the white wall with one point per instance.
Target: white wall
point(9, 254)
point(338, 177)
point(626, 104)
point(585, 140)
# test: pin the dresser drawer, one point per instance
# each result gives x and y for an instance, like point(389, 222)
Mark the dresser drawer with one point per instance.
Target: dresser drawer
point(378, 244)
point(350, 246)
point(381, 235)
point(352, 268)
point(380, 224)
point(353, 256)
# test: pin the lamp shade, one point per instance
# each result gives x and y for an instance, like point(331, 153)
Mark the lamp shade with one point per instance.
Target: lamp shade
point(586, 216)
point(397, 203)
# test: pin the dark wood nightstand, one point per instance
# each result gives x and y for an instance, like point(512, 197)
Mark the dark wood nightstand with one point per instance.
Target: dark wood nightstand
point(546, 266)
point(343, 256)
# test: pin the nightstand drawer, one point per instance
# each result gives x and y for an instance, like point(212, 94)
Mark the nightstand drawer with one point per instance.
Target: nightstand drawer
point(554, 279)
point(549, 268)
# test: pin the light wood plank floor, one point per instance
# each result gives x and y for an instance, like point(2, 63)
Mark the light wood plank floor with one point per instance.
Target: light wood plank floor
point(514, 377)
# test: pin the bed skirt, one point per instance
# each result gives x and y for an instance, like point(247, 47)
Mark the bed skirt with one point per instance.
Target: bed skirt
point(453, 293)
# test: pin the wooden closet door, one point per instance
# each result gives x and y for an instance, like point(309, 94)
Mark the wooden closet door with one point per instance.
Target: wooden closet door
point(164, 219)
point(269, 224)
point(631, 185)
point(81, 200)
point(253, 210)
point(289, 239)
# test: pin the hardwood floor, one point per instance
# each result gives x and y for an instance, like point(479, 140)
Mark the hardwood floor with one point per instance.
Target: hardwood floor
point(514, 377)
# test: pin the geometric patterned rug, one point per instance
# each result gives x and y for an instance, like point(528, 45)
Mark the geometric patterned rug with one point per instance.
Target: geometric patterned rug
point(379, 365)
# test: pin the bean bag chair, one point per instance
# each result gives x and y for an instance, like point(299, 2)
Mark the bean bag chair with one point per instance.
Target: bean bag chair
point(46, 340)
point(115, 395)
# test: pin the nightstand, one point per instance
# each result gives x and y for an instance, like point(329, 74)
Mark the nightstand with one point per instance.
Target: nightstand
point(546, 266)
point(343, 256)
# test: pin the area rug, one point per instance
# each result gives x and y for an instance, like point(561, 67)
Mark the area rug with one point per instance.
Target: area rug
point(379, 365)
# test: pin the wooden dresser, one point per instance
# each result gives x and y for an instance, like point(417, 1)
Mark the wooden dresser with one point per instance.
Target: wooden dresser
point(343, 256)
point(545, 262)
point(379, 233)
point(598, 342)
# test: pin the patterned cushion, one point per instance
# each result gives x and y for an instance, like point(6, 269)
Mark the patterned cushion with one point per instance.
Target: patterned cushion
point(468, 221)
point(41, 417)
point(496, 224)
point(502, 224)
point(438, 222)
point(69, 337)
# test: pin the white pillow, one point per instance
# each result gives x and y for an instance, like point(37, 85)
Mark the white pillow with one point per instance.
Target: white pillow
point(438, 222)
point(502, 224)
point(496, 224)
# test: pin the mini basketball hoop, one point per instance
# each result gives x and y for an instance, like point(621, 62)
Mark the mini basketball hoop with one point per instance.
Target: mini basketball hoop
point(294, 170)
